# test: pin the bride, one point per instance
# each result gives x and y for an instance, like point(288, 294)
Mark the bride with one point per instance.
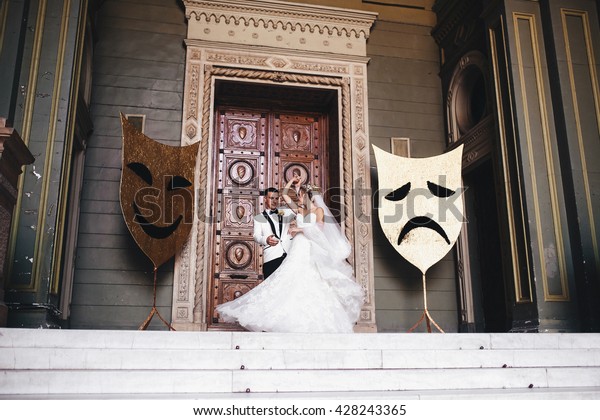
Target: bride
point(313, 290)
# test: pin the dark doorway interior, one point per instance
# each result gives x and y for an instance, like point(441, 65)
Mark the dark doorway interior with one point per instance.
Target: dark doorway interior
point(485, 251)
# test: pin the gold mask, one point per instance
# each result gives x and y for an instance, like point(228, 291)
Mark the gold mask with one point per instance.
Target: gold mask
point(157, 193)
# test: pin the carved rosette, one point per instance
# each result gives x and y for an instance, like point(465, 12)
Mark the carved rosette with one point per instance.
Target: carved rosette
point(241, 172)
point(233, 290)
point(292, 169)
point(238, 213)
point(238, 255)
point(241, 134)
point(297, 137)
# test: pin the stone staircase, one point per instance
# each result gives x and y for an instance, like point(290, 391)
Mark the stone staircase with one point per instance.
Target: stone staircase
point(139, 364)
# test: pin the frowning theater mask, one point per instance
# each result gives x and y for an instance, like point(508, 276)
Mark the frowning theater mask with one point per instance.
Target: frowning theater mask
point(421, 205)
point(157, 193)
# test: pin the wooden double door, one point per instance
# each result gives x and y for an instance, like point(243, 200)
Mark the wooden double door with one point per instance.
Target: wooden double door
point(255, 150)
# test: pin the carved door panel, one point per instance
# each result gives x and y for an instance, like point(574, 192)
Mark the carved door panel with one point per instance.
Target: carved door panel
point(255, 150)
point(298, 149)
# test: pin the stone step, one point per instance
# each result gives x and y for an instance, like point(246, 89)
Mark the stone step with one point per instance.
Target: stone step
point(23, 338)
point(131, 359)
point(21, 382)
point(119, 363)
point(571, 393)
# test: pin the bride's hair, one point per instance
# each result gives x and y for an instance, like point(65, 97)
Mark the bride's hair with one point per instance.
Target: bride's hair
point(309, 189)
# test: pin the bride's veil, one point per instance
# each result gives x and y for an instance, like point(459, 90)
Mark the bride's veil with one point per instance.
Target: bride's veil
point(329, 252)
point(338, 246)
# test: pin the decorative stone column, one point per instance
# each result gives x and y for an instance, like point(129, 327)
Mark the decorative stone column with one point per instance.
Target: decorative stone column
point(13, 155)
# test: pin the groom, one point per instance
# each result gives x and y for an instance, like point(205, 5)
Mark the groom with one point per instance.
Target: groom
point(271, 231)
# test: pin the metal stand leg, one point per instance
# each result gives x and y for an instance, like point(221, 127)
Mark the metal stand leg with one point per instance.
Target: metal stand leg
point(145, 324)
point(425, 314)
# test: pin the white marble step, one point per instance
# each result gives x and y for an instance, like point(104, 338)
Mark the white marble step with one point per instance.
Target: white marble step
point(132, 359)
point(413, 379)
point(113, 363)
point(571, 393)
point(22, 382)
point(243, 340)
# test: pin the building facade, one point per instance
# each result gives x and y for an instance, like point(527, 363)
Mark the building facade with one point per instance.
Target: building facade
point(270, 87)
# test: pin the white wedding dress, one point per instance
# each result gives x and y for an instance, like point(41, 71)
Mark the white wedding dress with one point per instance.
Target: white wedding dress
point(312, 291)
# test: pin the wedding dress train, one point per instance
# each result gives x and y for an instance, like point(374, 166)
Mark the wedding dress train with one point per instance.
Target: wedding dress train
point(312, 291)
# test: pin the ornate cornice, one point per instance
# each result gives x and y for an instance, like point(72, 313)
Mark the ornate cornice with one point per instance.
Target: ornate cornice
point(272, 14)
point(280, 24)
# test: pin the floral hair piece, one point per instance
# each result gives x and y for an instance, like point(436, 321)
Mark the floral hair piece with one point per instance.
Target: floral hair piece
point(312, 188)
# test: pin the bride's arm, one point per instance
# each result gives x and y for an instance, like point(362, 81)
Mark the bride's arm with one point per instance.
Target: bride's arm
point(285, 195)
point(320, 216)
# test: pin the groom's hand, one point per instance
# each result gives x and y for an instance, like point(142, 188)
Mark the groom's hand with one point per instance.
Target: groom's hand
point(272, 240)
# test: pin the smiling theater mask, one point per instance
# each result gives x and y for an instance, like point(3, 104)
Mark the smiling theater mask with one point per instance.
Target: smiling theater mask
point(157, 195)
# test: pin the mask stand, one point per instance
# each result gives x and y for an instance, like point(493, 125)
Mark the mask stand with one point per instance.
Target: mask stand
point(428, 319)
point(145, 324)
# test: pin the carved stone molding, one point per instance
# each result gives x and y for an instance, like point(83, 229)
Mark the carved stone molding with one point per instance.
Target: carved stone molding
point(209, 60)
point(280, 24)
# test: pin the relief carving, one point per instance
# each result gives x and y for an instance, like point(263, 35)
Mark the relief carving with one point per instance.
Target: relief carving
point(361, 143)
point(195, 54)
point(296, 169)
point(193, 87)
point(238, 255)
point(184, 274)
point(278, 63)
point(254, 60)
point(182, 313)
point(238, 213)
point(240, 172)
point(279, 20)
point(190, 131)
point(319, 67)
point(241, 134)
point(360, 123)
point(297, 137)
point(233, 290)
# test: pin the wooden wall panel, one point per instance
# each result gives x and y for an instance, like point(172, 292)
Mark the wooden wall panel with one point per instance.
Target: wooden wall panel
point(405, 101)
point(138, 69)
point(577, 78)
point(540, 159)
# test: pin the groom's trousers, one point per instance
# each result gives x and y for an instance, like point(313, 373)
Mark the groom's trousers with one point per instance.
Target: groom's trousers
point(270, 266)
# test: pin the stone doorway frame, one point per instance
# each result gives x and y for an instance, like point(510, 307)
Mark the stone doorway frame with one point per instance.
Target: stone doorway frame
point(323, 48)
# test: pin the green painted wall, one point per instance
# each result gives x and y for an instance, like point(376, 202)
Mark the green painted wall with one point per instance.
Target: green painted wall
point(138, 69)
point(405, 100)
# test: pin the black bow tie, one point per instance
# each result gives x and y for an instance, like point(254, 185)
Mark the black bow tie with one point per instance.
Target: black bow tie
point(273, 211)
